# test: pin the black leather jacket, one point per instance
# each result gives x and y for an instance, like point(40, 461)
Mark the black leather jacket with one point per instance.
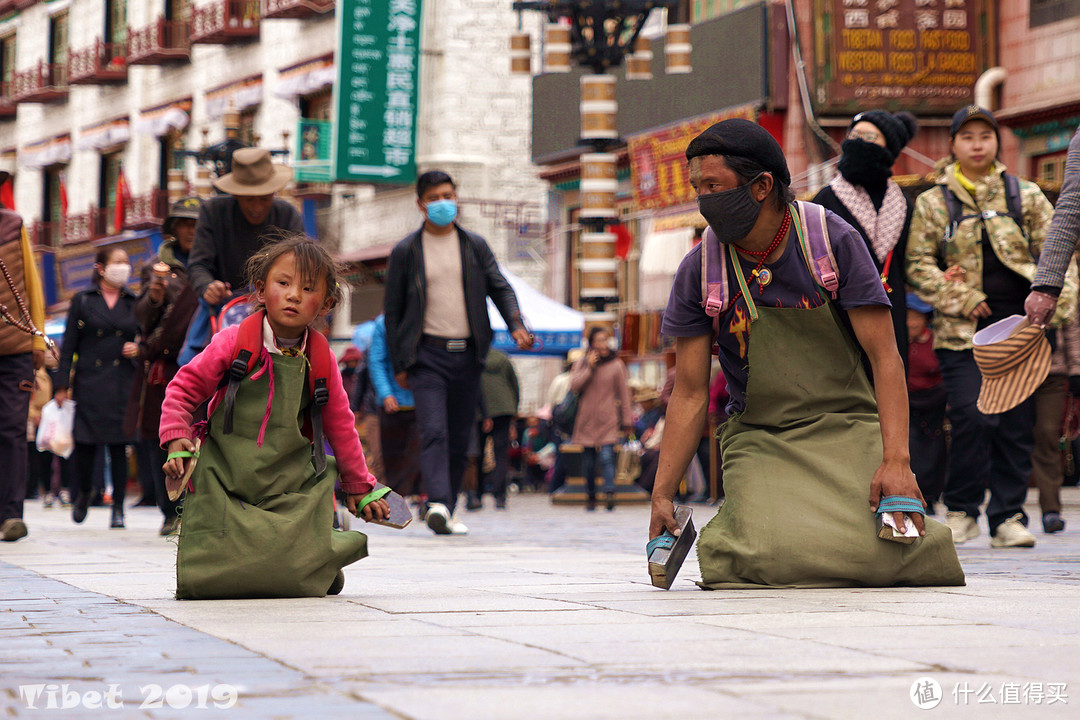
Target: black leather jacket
point(406, 295)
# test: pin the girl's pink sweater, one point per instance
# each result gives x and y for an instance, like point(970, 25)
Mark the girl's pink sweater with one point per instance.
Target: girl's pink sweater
point(199, 379)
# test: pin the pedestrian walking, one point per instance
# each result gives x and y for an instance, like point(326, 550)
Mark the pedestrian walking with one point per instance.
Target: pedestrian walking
point(927, 436)
point(1061, 242)
point(97, 366)
point(605, 413)
point(974, 243)
point(21, 354)
point(810, 451)
point(1047, 462)
point(500, 396)
point(39, 467)
point(164, 311)
point(866, 197)
point(258, 511)
point(437, 285)
point(398, 432)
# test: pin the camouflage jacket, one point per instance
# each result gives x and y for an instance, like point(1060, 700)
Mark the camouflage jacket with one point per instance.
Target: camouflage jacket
point(956, 293)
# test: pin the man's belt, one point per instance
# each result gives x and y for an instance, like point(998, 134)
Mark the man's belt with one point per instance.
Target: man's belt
point(447, 344)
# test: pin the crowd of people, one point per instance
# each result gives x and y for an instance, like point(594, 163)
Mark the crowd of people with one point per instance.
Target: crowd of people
point(879, 359)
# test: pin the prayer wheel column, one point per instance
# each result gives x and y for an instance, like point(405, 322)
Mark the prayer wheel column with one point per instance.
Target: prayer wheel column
point(597, 266)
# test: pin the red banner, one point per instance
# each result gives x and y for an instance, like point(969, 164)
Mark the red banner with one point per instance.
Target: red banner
point(658, 159)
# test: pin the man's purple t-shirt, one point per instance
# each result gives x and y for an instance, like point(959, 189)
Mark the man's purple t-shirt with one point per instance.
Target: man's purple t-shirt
point(792, 286)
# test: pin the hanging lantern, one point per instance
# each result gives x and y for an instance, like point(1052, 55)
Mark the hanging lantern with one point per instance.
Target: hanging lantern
point(598, 185)
point(639, 64)
point(557, 48)
point(521, 54)
point(598, 107)
point(677, 49)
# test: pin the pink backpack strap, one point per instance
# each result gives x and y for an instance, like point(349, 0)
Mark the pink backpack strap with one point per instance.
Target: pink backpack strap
point(821, 259)
point(714, 275)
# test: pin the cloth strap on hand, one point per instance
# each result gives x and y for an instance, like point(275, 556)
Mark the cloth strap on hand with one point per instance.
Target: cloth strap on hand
point(899, 503)
point(664, 540)
point(182, 454)
point(371, 497)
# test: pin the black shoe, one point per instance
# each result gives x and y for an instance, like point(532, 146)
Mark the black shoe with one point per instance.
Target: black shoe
point(170, 527)
point(117, 517)
point(472, 501)
point(1052, 523)
point(500, 502)
point(338, 585)
point(610, 501)
point(590, 504)
point(78, 509)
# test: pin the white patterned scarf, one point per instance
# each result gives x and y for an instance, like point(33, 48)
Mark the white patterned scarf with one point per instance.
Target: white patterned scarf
point(883, 226)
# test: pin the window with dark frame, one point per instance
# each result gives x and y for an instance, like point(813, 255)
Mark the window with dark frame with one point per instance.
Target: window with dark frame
point(108, 177)
point(7, 62)
point(58, 40)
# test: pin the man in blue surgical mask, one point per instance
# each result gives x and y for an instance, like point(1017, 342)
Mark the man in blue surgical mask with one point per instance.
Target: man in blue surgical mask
point(438, 334)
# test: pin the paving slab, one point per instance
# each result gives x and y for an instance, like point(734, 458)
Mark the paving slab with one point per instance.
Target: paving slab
point(540, 612)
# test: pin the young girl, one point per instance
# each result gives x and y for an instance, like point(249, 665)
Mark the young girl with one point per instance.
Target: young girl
point(257, 515)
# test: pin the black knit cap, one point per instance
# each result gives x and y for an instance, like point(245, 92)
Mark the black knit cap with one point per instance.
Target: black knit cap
point(741, 138)
point(897, 129)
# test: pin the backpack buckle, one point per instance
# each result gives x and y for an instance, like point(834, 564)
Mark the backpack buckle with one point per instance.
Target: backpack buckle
point(239, 367)
point(321, 395)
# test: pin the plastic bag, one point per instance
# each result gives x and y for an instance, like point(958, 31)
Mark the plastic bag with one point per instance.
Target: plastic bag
point(55, 430)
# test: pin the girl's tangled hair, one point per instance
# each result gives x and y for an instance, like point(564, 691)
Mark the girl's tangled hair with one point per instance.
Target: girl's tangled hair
point(312, 262)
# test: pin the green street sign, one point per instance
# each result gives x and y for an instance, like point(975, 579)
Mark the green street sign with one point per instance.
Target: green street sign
point(376, 93)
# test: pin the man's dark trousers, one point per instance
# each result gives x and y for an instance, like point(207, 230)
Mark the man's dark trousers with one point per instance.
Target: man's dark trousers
point(987, 451)
point(446, 389)
point(15, 371)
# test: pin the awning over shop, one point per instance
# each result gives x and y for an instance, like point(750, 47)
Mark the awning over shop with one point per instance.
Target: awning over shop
point(304, 79)
point(558, 328)
point(104, 135)
point(54, 151)
point(661, 253)
point(161, 120)
point(240, 94)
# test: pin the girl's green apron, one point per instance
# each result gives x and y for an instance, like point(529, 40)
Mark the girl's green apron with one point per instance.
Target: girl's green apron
point(259, 522)
point(798, 463)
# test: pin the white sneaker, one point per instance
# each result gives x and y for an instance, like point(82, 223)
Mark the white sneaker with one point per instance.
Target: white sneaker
point(1012, 533)
point(438, 519)
point(457, 527)
point(963, 527)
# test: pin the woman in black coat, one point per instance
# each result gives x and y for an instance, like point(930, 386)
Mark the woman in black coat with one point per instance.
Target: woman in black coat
point(866, 197)
point(101, 329)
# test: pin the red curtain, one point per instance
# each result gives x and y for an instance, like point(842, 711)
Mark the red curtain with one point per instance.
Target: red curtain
point(121, 201)
point(7, 194)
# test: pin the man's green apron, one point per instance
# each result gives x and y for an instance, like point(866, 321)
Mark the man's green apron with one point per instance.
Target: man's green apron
point(798, 463)
point(258, 522)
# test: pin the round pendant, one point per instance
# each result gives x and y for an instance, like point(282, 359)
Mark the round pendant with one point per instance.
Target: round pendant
point(764, 277)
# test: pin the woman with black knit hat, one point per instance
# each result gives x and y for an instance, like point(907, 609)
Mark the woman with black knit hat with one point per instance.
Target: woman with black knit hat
point(866, 197)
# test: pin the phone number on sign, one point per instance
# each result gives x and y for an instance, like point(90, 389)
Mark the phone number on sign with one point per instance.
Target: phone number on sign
point(54, 696)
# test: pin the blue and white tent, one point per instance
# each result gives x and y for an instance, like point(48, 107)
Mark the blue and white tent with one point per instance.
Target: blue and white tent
point(558, 328)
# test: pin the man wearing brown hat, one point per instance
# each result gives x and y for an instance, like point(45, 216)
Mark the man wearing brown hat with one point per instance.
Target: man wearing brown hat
point(233, 227)
point(20, 355)
point(811, 452)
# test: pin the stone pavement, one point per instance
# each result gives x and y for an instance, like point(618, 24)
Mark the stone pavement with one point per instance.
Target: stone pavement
point(540, 612)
